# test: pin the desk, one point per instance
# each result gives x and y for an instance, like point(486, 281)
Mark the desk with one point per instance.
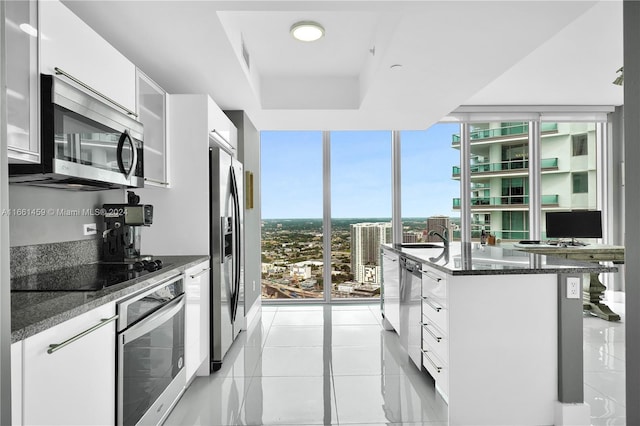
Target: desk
point(593, 295)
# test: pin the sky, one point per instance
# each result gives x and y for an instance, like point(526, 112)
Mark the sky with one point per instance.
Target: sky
point(360, 173)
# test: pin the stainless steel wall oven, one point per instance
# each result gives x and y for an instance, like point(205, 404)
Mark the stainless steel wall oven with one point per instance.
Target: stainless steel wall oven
point(151, 373)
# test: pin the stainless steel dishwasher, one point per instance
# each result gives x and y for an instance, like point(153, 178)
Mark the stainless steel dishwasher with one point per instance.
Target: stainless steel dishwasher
point(390, 289)
point(411, 309)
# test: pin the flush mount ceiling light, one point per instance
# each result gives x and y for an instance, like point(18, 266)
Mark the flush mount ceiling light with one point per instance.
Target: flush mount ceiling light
point(307, 31)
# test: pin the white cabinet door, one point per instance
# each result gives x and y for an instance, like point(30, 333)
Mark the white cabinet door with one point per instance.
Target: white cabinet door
point(70, 44)
point(197, 318)
point(152, 107)
point(16, 383)
point(21, 41)
point(221, 129)
point(75, 385)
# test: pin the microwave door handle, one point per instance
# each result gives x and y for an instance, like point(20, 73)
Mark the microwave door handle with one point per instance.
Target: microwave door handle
point(124, 137)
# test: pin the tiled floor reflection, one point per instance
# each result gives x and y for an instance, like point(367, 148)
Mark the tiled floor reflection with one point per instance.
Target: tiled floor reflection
point(604, 368)
point(310, 365)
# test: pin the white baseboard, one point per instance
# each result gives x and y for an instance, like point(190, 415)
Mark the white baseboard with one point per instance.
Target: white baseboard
point(572, 414)
point(254, 315)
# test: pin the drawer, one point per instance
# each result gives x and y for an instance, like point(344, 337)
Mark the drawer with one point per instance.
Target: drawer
point(438, 370)
point(435, 340)
point(434, 283)
point(433, 312)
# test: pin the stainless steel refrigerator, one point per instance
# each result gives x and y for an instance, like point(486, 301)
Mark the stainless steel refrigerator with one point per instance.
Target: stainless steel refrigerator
point(227, 252)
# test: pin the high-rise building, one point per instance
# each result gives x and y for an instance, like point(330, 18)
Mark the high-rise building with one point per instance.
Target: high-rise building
point(365, 250)
point(500, 174)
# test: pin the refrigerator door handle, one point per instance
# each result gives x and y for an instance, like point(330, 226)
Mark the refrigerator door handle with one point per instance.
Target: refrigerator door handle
point(237, 246)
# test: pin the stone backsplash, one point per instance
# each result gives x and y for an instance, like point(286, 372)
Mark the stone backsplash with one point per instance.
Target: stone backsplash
point(27, 260)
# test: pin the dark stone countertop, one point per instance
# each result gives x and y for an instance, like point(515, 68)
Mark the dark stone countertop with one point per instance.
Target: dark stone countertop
point(33, 312)
point(505, 259)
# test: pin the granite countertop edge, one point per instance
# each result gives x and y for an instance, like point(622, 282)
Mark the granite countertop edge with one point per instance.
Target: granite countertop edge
point(68, 305)
point(576, 267)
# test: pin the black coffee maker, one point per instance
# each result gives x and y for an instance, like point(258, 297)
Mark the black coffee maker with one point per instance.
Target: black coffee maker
point(122, 226)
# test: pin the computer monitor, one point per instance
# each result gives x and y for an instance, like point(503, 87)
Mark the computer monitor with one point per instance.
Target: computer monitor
point(575, 224)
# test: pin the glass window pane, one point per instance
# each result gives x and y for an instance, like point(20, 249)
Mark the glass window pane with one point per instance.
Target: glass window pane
point(360, 210)
point(430, 191)
point(291, 167)
point(499, 179)
point(571, 185)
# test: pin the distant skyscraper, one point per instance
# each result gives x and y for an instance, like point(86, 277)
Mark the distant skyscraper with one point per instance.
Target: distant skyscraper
point(436, 223)
point(409, 237)
point(365, 250)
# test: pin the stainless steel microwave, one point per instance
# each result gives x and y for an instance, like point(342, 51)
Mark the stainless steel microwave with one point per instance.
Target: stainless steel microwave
point(86, 144)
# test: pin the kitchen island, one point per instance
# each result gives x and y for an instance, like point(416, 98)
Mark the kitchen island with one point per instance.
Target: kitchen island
point(497, 354)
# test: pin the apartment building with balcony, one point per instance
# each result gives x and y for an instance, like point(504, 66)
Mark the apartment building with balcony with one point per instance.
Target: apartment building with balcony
point(500, 174)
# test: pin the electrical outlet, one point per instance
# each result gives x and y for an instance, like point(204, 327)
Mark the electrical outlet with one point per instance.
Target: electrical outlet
point(573, 288)
point(90, 228)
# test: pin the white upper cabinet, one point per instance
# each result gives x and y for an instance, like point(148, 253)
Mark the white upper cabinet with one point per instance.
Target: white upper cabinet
point(68, 43)
point(21, 42)
point(152, 107)
point(221, 129)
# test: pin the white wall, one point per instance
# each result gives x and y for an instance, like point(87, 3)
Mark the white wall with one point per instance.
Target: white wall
point(181, 212)
point(59, 223)
point(5, 299)
point(249, 155)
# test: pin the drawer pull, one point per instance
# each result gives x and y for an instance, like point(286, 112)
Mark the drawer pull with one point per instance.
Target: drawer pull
point(431, 276)
point(438, 369)
point(57, 346)
point(199, 273)
point(438, 338)
point(431, 304)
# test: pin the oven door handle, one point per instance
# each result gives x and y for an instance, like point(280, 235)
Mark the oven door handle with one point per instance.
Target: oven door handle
point(154, 320)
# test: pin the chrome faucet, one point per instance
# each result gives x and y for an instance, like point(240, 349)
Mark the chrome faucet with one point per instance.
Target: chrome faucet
point(445, 239)
point(444, 236)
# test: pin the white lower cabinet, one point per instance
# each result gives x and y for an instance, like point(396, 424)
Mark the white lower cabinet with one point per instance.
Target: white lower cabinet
point(435, 327)
point(16, 383)
point(74, 384)
point(197, 319)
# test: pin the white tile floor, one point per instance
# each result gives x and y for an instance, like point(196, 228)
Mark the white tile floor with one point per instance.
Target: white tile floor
point(304, 365)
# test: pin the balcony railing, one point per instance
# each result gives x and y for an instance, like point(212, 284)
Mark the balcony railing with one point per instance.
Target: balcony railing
point(512, 200)
point(514, 129)
point(545, 163)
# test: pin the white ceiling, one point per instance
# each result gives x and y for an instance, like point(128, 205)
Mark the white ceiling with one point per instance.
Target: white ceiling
point(452, 53)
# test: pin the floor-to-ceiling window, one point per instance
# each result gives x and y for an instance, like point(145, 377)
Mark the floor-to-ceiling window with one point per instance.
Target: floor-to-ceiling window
point(427, 184)
point(570, 182)
point(292, 234)
point(360, 211)
point(499, 179)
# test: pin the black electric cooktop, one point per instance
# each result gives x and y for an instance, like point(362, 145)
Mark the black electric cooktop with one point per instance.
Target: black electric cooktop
point(89, 277)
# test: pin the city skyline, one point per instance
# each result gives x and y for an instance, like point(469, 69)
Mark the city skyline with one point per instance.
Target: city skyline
point(360, 173)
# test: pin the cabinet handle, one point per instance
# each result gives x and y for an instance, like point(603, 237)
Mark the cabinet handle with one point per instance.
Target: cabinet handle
point(431, 304)
point(433, 277)
point(199, 273)
point(92, 90)
point(438, 369)
point(56, 346)
point(156, 181)
point(431, 332)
